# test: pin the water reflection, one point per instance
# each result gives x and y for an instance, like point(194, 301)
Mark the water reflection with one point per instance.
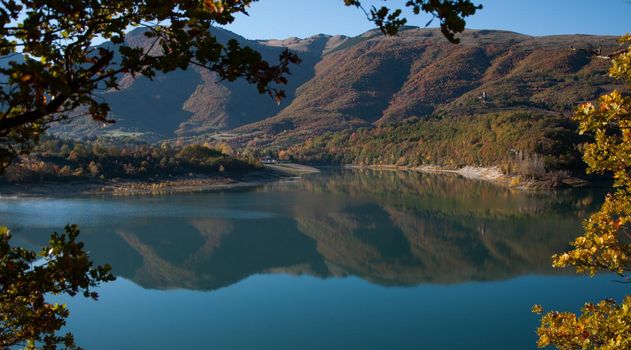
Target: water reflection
point(390, 228)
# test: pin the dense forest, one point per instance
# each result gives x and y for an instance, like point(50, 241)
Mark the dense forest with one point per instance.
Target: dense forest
point(529, 144)
point(59, 160)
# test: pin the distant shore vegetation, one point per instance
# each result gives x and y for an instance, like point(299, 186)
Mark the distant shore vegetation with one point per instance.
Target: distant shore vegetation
point(522, 143)
point(56, 159)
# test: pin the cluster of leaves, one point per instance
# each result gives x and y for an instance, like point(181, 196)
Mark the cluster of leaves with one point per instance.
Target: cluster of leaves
point(521, 143)
point(605, 243)
point(450, 13)
point(27, 278)
point(59, 160)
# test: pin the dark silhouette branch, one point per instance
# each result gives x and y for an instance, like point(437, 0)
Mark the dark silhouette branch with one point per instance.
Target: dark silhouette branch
point(10, 123)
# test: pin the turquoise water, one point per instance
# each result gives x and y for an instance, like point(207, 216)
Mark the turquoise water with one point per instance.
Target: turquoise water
point(339, 260)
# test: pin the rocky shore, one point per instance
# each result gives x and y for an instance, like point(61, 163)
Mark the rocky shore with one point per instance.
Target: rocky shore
point(491, 174)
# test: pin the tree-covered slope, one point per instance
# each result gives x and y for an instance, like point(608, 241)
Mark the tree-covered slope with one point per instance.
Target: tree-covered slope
point(519, 142)
point(373, 81)
point(376, 80)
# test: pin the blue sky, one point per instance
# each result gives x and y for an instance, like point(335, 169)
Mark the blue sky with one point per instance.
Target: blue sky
point(303, 18)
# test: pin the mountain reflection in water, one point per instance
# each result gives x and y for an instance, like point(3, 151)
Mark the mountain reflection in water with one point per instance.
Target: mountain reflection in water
point(390, 228)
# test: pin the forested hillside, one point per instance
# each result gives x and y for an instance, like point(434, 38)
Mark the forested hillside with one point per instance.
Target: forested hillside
point(522, 143)
point(374, 80)
point(344, 83)
point(497, 98)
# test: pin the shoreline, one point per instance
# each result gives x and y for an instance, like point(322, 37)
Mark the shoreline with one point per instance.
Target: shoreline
point(143, 187)
point(268, 174)
point(490, 174)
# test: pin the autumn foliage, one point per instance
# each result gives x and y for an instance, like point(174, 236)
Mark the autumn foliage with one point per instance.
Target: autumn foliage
point(27, 279)
point(605, 243)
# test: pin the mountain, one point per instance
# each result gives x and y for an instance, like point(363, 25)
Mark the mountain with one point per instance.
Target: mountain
point(369, 80)
point(194, 102)
point(376, 80)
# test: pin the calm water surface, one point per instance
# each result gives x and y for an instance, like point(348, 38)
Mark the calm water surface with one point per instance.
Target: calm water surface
point(338, 260)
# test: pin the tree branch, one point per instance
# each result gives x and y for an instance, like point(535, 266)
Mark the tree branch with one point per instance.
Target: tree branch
point(7, 124)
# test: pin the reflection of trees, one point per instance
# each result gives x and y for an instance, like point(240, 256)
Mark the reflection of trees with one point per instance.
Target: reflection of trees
point(215, 253)
point(451, 194)
point(391, 228)
point(454, 229)
point(212, 231)
point(155, 270)
point(399, 246)
point(362, 242)
point(469, 248)
point(159, 271)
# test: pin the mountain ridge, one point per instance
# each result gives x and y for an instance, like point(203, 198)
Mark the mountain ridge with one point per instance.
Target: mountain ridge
point(345, 83)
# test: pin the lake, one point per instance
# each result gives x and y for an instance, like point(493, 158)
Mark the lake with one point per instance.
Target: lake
point(344, 259)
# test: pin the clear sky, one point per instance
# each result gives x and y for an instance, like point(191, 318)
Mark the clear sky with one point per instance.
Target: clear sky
point(302, 18)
